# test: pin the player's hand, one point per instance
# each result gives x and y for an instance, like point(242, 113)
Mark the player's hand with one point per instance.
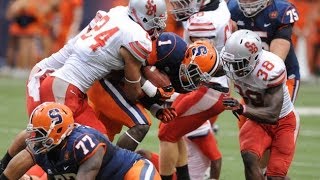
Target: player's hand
point(164, 93)
point(233, 104)
point(166, 114)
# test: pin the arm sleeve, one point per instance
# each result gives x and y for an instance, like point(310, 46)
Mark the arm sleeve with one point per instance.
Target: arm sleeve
point(284, 32)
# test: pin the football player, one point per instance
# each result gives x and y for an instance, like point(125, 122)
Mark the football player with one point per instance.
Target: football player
point(260, 78)
point(67, 150)
point(203, 20)
point(273, 21)
point(106, 44)
point(112, 108)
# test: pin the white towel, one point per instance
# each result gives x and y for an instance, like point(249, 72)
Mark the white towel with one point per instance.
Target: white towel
point(34, 83)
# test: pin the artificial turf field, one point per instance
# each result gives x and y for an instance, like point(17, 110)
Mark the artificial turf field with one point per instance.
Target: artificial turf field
point(306, 164)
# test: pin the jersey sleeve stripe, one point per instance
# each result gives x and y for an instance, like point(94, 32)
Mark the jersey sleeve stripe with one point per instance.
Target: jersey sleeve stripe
point(201, 27)
point(139, 51)
point(201, 24)
point(278, 80)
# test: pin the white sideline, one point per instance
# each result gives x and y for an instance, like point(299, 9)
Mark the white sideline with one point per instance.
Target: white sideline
point(308, 111)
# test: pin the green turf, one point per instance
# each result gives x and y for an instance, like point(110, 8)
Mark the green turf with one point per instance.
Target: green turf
point(306, 162)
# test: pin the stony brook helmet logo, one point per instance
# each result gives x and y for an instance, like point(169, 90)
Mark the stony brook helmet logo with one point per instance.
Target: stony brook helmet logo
point(151, 8)
point(252, 47)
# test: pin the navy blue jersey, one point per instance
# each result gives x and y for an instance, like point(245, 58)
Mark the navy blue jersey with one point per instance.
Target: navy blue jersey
point(277, 14)
point(170, 49)
point(81, 144)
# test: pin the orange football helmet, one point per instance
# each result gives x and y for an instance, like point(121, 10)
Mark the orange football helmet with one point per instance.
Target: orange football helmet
point(49, 124)
point(200, 63)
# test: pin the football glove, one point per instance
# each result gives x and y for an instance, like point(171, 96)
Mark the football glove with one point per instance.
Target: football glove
point(233, 104)
point(164, 93)
point(166, 114)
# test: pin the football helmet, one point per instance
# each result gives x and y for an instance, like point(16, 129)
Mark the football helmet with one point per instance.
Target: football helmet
point(200, 63)
point(251, 8)
point(183, 9)
point(49, 124)
point(241, 53)
point(151, 15)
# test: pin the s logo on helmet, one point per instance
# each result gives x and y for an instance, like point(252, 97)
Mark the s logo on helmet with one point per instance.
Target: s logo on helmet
point(252, 47)
point(199, 51)
point(151, 8)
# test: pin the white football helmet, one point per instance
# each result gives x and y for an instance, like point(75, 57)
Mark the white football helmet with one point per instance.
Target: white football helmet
point(251, 8)
point(241, 53)
point(183, 9)
point(151, 15)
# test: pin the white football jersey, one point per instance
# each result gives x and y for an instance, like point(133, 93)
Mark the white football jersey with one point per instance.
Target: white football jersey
point(96, 50)
point(210, 24)
point(270, 71)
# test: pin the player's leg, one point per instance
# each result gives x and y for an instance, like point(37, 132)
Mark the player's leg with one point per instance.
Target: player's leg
point(114, 110)
point(254, 140)
point(142, 169)
point(293, 85)
point(283, 146)
point(198, 163)
point(182, 161)
point(53, 89)
point(208, 146)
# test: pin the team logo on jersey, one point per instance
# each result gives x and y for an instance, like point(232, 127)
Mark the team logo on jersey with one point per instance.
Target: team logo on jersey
point(151, 8)
point(273, 14)
point(252, 47)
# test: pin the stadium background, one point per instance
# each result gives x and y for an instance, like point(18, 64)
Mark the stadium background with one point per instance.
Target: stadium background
point(306, 163)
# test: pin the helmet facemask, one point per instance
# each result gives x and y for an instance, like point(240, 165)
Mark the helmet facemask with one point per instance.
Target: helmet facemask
point(183, 9)
point(236, 68)
point(155, 26)
point(251, 9)
point(191, 76)
point(199, 65)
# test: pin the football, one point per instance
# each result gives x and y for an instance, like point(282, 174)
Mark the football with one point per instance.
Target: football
point(156, 77)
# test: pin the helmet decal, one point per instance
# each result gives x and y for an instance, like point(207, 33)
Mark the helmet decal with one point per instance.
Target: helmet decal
point(151, 8)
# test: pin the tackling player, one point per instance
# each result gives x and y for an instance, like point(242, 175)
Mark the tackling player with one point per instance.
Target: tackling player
point(106, 44)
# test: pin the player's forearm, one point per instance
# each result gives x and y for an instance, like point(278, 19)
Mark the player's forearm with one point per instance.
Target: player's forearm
point(19, 165)
point(280, 47)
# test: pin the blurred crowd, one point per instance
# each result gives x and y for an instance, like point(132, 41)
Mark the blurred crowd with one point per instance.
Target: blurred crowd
point(33, 29)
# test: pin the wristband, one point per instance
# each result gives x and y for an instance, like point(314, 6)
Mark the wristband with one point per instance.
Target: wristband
point(149, 88)
point(154, 108)
point(133, 82)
